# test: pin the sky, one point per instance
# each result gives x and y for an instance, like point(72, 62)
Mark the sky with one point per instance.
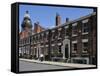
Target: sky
point(45, 15)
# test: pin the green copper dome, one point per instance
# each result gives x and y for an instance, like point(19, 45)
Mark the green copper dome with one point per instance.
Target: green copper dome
point(26, 21)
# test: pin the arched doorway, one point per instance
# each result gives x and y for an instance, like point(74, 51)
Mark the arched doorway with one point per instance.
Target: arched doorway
point(66, 51)
point(66, 48)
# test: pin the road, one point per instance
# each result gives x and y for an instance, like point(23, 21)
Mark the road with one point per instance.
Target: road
point(29, 66)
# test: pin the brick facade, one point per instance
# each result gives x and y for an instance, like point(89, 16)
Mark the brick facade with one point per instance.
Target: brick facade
point(73, 41)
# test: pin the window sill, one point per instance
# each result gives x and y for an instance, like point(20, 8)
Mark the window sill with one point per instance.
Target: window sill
point(84, 33)
point(84, 51)
point(74, 35)
point(59, 38)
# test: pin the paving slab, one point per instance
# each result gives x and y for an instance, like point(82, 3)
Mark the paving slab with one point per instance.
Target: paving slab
point(60, 63)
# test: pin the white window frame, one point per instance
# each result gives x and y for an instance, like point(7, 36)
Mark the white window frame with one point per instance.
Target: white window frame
point(73, 42)
point(74, 25)
point(84, 41)
point(66, 27)
point(84, 21)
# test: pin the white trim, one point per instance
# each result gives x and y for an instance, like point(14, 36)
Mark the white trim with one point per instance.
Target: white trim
point(53, 30)
point(74, 24)
point(66, 27)
point(84, 51)
point(85, 21)
point(53, 45)
point(59, 29)
point(42, 34)
point(84, 33)
point(74, 41)
point(47, 32)
point(27, 15)
point(59, 43)
point(84, 40)
point(46, 45)
point(74, 35)
point(65, 41)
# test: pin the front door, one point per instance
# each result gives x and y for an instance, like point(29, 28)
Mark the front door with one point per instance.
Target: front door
point(66, 51)
point(65, 48)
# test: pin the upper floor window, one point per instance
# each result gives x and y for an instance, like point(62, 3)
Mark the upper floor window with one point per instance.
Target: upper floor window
point(66, 30)
point(53, 34)
point(85, 45)
point(74, 29)
point(42, 34)
point(24, 41)
point(28, 40)
point(47, 34)
point(32, 39)
point(35, 39)
point(85, 27)
point(59, 32)
point(74, 46)
point(38, 37)
point(20, 42)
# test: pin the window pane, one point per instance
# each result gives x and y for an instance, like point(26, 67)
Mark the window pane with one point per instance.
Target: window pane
point(85, 46)
point(85, 27)
point(74, 30)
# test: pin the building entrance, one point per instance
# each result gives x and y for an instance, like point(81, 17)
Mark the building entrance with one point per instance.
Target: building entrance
point(66, 51)
point(65, 48)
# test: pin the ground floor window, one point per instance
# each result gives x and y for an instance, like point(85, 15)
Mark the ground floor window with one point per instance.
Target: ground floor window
point(54, 51)
point(59, 49)
point(42, 50)
point(85, 47)
point(20, 51)
point(46, 51)
point(74, 47)
point(24, 50)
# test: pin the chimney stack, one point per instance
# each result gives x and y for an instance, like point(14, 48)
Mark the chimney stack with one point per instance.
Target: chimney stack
point(37, 27)
point(67, 19)
point(58, 19)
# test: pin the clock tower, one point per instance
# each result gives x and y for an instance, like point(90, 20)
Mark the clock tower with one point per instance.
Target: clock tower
point(26, 25)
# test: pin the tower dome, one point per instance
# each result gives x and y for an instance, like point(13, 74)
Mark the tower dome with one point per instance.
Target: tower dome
point(27, 15)
point(26, 21)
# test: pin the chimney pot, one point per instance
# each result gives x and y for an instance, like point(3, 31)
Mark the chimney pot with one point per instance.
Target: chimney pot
point(58, 19)
point(67, 19)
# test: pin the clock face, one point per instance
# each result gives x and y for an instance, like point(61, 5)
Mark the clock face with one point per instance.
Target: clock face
point(28, 21)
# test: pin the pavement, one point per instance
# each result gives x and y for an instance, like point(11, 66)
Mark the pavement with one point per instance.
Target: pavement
point(73, 65)
point(30, 66)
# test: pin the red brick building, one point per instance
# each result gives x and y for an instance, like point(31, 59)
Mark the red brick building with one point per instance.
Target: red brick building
point(73, 41)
